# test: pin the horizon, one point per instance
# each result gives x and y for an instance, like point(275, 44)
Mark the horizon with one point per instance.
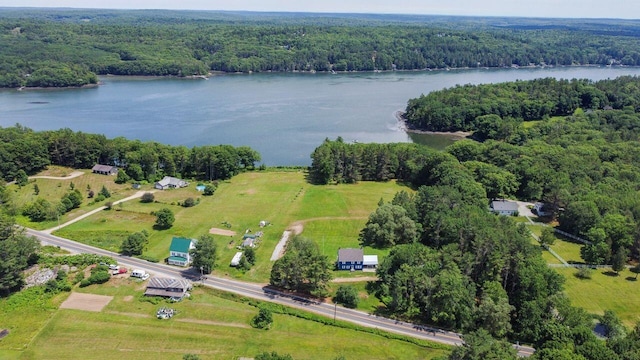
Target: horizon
point(570, 9)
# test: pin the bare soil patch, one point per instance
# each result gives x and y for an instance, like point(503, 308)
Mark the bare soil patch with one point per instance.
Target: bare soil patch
point(224, 232)
point(86, 302)
point(128, 298)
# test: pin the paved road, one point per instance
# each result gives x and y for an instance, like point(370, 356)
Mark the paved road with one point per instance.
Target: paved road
point(260, 292)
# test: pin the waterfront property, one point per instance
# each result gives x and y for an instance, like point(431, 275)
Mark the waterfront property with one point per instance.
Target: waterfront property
point(179, 251)
point(176, 289)
point(169, 182)
point(504, 207)
point(104, 169)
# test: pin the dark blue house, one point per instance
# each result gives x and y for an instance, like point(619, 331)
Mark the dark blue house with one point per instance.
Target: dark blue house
point(350, 259)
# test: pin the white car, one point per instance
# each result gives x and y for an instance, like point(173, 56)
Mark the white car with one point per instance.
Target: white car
point(113, 267)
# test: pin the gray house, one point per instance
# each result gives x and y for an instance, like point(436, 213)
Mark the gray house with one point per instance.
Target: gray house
point(176, 289)
point(504, 207)
point(104, 169)
point(169, 182)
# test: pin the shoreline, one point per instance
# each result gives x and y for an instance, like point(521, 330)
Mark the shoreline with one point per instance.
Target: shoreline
point(402, 125)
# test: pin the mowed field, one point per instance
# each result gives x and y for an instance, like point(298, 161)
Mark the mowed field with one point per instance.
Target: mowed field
point(331, 215)
point(205, 324)
point(605, 291)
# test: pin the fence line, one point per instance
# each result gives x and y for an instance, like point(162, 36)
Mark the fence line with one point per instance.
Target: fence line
point(571, 236)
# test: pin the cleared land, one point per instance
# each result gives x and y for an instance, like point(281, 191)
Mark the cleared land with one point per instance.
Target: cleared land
point(223, 232)
point(207, 325)
point(605, 291)
point(332, 215)
point(86, 302)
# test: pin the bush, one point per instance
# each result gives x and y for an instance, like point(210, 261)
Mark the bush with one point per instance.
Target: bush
point(263, 320)
point(347, 295)
point(189, 202)
point(148, 258)
point(584, 273)
point(209, 189)
point(147, 197)
point(79, 277)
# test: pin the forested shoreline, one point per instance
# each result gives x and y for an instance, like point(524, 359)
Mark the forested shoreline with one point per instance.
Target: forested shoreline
point(61, 48)
point(25, 152)
point(455, 264)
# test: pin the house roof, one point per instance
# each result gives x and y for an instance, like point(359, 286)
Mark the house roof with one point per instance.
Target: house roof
point(179, 244)
point(504, 205)
point(248, 242)
point(350, 255)
point(168, 180)
point(168, 283)
point(103, 168)
point(369, 260)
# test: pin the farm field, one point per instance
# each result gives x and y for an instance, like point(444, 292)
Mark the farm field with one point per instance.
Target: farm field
point(331, 215)
point(205, 324)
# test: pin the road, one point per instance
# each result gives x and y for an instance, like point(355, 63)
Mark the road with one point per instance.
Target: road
point(260, 292)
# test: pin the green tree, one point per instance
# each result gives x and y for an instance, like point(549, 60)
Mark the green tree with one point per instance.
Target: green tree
point(164, 218)
point(263, 319)
point(494, 311)
point(613, 325)
point(479, 345)
point(348, 296)
point(250, 255)
point(147, 197)
point(21, 178)
point(619, 260)
point(134, 244)
point(273, 356)
point(105, 192)
point(387, 226)
point(302, 268)
point(547, 237)
point(189, 202)
point(36, 190)
point(209, 189)
point(204, 254)
point(17, 251)
point(122, 177)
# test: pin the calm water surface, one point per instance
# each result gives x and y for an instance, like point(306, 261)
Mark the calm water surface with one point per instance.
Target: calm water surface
point(283, 116)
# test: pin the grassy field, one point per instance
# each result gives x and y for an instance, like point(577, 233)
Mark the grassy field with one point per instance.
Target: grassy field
point(605, 291)
point(207, 325)
point(332, 215)
point(53, 190)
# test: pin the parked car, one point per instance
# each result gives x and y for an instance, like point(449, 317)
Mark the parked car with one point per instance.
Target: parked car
point(113, 267)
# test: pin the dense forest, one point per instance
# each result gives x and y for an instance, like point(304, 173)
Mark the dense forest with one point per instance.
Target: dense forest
point(55, 48)
point(454, 264)
point(25, 152)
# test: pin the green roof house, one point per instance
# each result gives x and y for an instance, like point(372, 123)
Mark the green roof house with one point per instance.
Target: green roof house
point(179, 251)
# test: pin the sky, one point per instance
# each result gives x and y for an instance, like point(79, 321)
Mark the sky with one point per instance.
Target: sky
point(621, 9)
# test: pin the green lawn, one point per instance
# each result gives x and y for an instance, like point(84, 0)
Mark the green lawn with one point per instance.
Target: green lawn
point(332, 215)
point(605, 292)
point(207, 325)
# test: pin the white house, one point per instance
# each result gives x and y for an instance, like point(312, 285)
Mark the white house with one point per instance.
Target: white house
point(504, 207)
point(179, 251)
point(169, 182)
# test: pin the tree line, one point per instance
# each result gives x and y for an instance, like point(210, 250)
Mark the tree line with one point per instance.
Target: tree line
point(70, 49)
point(23, 150)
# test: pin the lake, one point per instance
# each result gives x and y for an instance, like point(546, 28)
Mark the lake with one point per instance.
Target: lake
point(283, 116)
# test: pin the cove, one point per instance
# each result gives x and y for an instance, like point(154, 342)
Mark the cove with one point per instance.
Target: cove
point(282, 116)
